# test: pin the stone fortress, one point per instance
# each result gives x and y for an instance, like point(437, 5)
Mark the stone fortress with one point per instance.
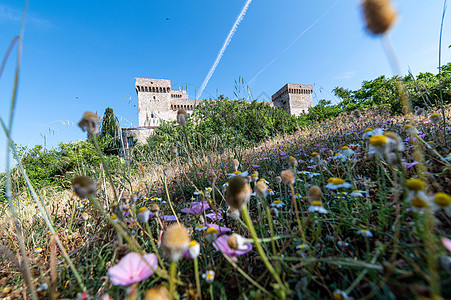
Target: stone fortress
point(157, 102)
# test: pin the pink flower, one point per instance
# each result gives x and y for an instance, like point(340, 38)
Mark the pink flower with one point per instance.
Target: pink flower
point(196, 208)
point(132, 269)
point(221, 244)
point(220, 229)
point(447, 243)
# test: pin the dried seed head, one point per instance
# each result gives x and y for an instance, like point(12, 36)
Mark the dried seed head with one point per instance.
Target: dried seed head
point(174, 151)
point(83, 186)
point(212, 178)
point(175, 242)
point(90, 123)
point(279, 179)
point(167, 172)
point(292, 162)
point(287, 177)
point(379, 15)
point(314, 193)
point(233, 241)
point(181, 117)
point(419, 111)
point(235, 164)
point(238, 193)
point(261, 190)
point(155, 208)
point(357, 113)
point(234, 214)
point(405, 110)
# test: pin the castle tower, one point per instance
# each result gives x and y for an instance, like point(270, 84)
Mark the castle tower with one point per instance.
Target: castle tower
point(295, 99)
point(154, 100)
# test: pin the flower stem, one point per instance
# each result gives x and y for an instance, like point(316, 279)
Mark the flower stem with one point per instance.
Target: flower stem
point(172, 283)
point(261, 252)
point(196, 274)
point(169, 200)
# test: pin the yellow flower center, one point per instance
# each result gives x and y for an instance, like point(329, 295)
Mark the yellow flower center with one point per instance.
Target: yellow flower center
point(407, 126)
point(114, 217)
point(419, 203)
point(338, 296)
point(442, 199)
point(356, 191)
point(276, 202)
point(336, 181)
point(142, 209)
point(262, 179)
point(209, 276)
point(368, 130)
point(200, 226)
point(254, 175)
point(269, 190)
point(345, 148)
point(314, 154)
point(415, 184)
point(317, 203)
point(434, 116)
point(211, 230)
point(192, 243)
point(236, 172)
point(378, 140)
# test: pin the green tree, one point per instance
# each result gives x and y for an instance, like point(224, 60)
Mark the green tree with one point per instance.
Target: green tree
point(109, 135)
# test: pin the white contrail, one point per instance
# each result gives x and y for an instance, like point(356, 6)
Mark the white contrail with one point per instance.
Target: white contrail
point(292, 43)
point(224, 47)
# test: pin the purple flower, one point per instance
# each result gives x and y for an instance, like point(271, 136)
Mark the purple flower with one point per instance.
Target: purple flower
point(222, 245)
point(132, 269)
point(168, 218)
point(214, 216)
point(312, 167)
point(301, 161)
point(255, 166)
point(409, 165)
point(196, 208)
point(221, 229)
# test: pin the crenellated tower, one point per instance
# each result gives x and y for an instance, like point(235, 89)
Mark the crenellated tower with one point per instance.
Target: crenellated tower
point(294, 98)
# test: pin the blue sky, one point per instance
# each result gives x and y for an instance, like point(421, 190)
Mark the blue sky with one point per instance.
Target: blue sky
point(84, 55)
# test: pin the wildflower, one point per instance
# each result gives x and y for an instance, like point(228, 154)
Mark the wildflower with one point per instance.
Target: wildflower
point(115, 218)
point(175, 242)
point(219, 229)
point(181, 117)
point(279, 180)
point(83, 186)
point(133, 268)
point(42, 287)
point(157, 293)
point(342, 244)
point(442, 200)
point(90, 123)
point(235, 164)
point(222, 244)
point(200, 227)
point(341, 295)
point(357, 193)
point(415, 185)
point(292, 162)
point(144, 214)
point(214, 216)
point(263, 180)
point(378, 144)
point(211, 234)
point(209, 276)
point(238, 193)
point(447, 243)
point(261, 190)
point(416, 195)
point(193, 250)
point(238, 173)
point(196, 208)
point(304, 172)
point(435, 119)
point(447, 158)
point(211, 178)
point(85, 216)
point(38, 250)
point(302, 247)
point(394, 142)
point(369, 132)
point(336, 183)
point(347, 152)
point(224, 187)
point(379, 15)
point(270, 192)
point(317, 206)
point(277, 203)
point(254, 176)
point(365, 233)
point(288, 177)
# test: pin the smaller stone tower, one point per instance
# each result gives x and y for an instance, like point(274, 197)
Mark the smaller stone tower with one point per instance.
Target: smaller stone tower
point(295, 99)
point(154, 100)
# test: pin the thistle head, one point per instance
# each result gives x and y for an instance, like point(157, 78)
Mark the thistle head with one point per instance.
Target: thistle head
point(175, 242)
point(379, 15)
point(90, 123)
point(287, 177)
point(314, 193)
point(211, 178)
point(182, 115)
